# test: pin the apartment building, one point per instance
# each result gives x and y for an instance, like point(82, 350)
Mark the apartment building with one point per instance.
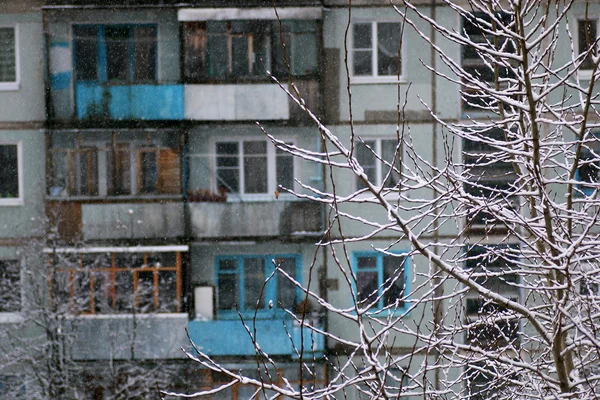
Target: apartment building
point(138, 181)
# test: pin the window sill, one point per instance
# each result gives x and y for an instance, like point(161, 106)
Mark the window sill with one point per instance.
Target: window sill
point(373, 80)
point(116, 199)
point(263, 197)
point(156, 315)
point(11, 202)
point(584, 74)
point(9, 86)
point(10, 317)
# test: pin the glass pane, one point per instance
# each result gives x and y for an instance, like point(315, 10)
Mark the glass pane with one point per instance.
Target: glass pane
point(148, 172)
point(9, 173)
point(362, 36)
point(144, 294)
point(367, 262)
point(362, 63)
point(305, 53)
point(279, 65)
point(144, 53)
point(254, 279)
point(255, 148)
point(228, 265)
point(366, 157)
point(167, 291)
point(239, 54)
point(228, 291)
point(285, 169)
point(255, 167)
point(102, 292)
point(366, 285)
point(227, 155)
point(195, 49)
point(587, 34)
point(10, 286)
point(286, 290)
point(82, 293)
point(228, 180)
point(86, 51)
point(393, 268)
point(117, 53)
point(218, 55)
point(59, 178)
point(124, 291)
point(119, 170)
point(388, 153)
point(86, 177)
point(261, 45)
point(388, 45)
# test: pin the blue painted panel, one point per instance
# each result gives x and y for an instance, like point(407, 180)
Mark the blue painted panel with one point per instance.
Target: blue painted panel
point(60, 80)
point(164, 102)
point(129, 102)
point(229, 338)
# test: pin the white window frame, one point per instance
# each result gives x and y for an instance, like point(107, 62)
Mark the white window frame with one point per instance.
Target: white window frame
point(271, 168)
point(6, 86)
point(374, 77)
point(585, 74)
point(15, 201)
point(379, 165)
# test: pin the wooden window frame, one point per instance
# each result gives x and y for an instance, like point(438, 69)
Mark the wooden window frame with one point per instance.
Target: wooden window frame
point(111, 272)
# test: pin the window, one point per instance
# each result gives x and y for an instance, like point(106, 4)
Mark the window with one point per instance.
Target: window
point(10, 286)
point(252, 167)
point(589, 165)
point(376, 156)
point(240, 281)
point(485, 381)
point(489, 176)
point(115, 53)
point(587, 34)
point(382, 278)
point(222, 50)
point(481, 67)
point(494, 268)
point(9, 59)
point(106, 283)
point(111, 166)
point(376, 50)
point(11, 174)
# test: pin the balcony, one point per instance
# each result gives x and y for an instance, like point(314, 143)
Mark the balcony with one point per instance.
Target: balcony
point(254, 219)
point(271, 335)
point(132, 221)
point(96, 101)
point(93, 221)
point(247, 101)
point(127, 336)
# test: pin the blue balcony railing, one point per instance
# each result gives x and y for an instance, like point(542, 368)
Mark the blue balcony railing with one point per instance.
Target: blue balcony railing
point(230, 338)
point(129, 102)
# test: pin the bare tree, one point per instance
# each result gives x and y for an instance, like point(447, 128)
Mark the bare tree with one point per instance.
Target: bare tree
point(501, 218)
point(45, 347)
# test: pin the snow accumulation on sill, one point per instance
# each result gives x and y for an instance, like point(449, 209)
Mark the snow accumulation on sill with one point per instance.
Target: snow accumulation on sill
point(131, 316)
point(10, 317)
